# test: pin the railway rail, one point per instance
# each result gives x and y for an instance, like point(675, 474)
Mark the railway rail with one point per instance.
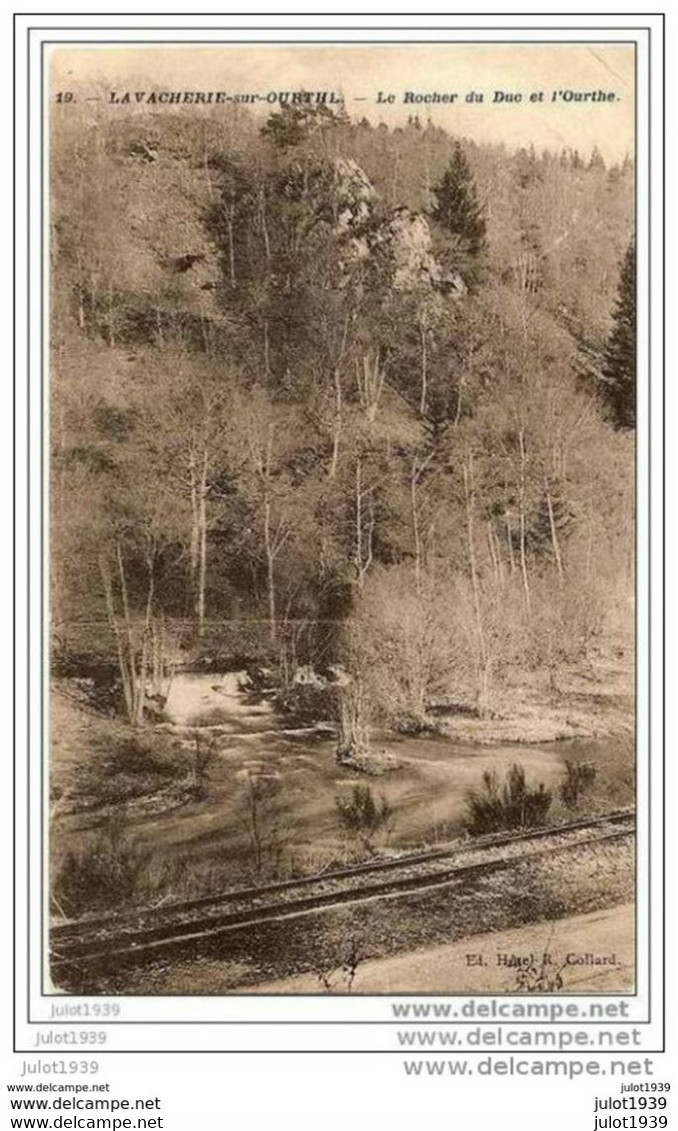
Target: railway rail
point(145, 935)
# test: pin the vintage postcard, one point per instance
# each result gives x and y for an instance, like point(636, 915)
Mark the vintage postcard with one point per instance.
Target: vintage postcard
point(340, 394)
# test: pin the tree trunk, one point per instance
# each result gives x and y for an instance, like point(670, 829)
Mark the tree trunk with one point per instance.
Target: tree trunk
point(554, 534)
point(523, 556)
point(509, 540)
point(81, 291)
point(202, 546)
point(206, 167)
point(417, 472)
point(358, 524)
point(589, 538)
point(484, 658)
point(129, 634)
point(354, 736)
point(143, 666)
point(424, 366)
point(195, 528)
point(231, 246)
point(264, 225)
point(270, 570)
point(111, 317)
point(494, 556)
point(457, 415)
point(370, 384)
point(363, 542)
point(113, 623)
point(267, 352)
point(336, 437)
point(395, 164)
point(415, 532)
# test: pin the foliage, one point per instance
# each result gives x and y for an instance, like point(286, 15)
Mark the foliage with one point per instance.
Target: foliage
point(619, 370)
point(579, 777)
point(291, 415)
point(307, 703)
point(205, 751)
point(457, 208)
point(364, 816)
point(261, 815)
point(117, 767)
point(102, 875)
point(508, 804)
point(295, 123)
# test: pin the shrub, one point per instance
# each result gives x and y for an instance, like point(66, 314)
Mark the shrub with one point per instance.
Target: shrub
point(131, 756)
point(205, 752)
point(261, 813)
point(579, 777)
point(354, 729)
point(363, 816)
point(103, 874)
point(305, 703)
point(511, 804)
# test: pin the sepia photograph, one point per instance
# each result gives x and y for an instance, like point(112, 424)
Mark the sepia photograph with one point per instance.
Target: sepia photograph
point(341, 502)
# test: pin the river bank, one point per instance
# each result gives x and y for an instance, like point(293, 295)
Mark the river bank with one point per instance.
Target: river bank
point(227, 792)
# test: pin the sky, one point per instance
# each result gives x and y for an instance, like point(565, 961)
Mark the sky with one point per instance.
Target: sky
point(360, 73)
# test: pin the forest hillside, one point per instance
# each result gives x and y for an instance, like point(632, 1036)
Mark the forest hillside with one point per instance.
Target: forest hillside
point(337, 398)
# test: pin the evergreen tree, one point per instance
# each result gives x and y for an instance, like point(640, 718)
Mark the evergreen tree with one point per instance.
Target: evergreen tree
point(437, 422)
point(295, 123)
point(457, 208)
point(619, 369)
point(596, 161)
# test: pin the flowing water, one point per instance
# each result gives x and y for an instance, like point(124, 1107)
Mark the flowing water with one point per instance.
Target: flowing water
point(217, 700)
point(427, 789)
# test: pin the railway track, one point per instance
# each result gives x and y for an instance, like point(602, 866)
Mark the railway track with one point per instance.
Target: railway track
point(138, 937)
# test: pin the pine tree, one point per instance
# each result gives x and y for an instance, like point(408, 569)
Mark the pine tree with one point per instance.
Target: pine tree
point(619, 369)
point(596, 161)
point(295, 123)
point(437, 421)
point(457, 208)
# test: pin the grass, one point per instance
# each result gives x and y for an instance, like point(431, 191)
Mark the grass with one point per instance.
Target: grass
point(532, 891)
point(194, 835)
point(102, 873)
point(511, 803)
point(98, 762)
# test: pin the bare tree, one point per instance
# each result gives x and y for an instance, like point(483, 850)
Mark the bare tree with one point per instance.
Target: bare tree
point(484, 659)
point(261, 815)
point(364, 524)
